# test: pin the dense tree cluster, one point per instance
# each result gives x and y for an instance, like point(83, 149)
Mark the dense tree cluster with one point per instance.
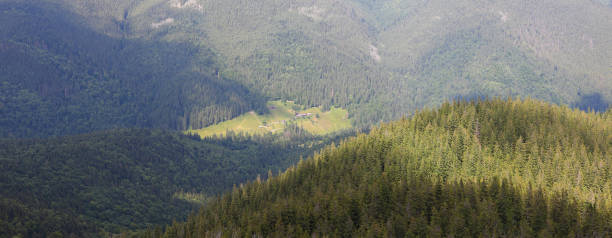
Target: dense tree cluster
point(468, 169)
point(89, 184)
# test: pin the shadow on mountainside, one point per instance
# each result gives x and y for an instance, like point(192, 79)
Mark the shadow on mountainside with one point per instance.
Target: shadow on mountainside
point(591, 101)
point(60, 77)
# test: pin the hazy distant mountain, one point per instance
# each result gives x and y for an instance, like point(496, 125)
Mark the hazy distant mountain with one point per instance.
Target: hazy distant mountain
point(189, 63)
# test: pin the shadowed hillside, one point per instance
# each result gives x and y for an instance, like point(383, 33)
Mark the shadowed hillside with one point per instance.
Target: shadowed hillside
point(58, 77)
point(105, 182)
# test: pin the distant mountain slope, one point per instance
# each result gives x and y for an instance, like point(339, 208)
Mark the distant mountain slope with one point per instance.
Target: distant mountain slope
point(468, 169)
point(184, 64)
point(127, 179)
point(383, 59)
point(58, 76)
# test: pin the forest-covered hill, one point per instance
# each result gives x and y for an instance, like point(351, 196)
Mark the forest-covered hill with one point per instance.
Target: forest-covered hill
point(105, 182)
point(495, 168)
point(71, 67)
point(58, 76)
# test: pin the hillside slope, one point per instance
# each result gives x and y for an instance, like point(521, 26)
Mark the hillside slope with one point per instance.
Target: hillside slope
point(88, 184)
point(59, 76)
point(468, 169)
point(77, 66)
point(383, 59)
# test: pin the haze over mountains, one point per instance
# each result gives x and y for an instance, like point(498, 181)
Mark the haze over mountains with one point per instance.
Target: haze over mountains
point(187, 64)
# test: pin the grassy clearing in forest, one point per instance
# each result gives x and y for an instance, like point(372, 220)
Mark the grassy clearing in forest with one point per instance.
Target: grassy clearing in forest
point(282, 114)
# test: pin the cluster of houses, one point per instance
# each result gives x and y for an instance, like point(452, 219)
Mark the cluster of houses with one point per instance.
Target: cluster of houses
point(297, 115)
point(300, 115)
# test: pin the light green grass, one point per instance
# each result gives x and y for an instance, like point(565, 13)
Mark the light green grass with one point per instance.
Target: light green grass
point(280, 116)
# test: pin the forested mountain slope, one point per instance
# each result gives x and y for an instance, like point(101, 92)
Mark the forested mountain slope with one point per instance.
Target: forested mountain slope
point(58, 76)
point(468, 169)
point(393, 56)
point(76, 66)
point(84, 185)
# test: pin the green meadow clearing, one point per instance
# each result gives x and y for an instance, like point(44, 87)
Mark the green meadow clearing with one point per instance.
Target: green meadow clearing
point(281, 115)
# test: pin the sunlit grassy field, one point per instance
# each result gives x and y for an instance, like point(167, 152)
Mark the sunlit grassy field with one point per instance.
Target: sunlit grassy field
point(282, 114)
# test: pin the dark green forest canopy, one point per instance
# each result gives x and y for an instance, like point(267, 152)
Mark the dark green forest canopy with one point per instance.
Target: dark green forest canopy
point(468, 169)
point(129, 179)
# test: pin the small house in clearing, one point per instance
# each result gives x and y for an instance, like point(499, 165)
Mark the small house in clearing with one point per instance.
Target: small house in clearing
point(300, 115)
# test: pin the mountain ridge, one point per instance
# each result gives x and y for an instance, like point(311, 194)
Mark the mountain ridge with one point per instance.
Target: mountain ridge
point(492, 168)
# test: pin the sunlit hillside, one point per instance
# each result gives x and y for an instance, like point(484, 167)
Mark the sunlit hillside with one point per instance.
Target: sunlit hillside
point(282, 115)
point(496, 168)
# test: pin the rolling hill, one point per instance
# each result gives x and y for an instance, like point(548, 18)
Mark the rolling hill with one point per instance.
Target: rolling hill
point(467, 169)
